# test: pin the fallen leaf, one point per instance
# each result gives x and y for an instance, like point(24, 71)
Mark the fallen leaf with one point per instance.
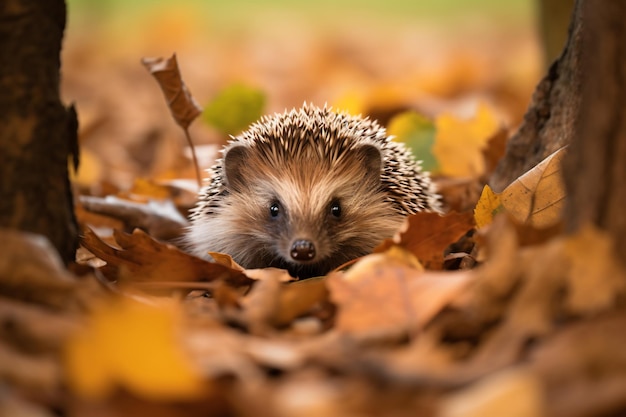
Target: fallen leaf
point(386, 292)
point(494, 151)
point(132, 345)
point(141, 258)
point(234, 108)
point(226, 260)
point(586, 357)
point(298, 297)
point(511, 393)
point(31, 271)
point(459, 144)
point(418, 133)
point(596, 279)
point(159, 218)
point(487, 208)
point(180, 102)
point(538, 196)
point(427, 235)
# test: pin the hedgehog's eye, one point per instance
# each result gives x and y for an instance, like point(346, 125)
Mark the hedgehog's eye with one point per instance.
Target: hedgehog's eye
point(335, 209)
point(274, 209)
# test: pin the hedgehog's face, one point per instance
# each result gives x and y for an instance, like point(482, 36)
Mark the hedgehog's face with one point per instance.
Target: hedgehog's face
point(308, 215)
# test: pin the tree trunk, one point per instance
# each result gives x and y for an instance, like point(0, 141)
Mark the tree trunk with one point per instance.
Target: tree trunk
point(549, 122)
point(37, 133)
point(595, 167)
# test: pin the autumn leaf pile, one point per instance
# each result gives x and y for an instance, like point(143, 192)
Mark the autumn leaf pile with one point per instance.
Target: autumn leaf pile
point(489, 310)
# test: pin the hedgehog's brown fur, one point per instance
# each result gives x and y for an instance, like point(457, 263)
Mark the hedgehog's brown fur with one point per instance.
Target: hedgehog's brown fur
point(304, 162)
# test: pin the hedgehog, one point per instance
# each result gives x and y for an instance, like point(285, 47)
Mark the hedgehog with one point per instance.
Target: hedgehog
point(306, 191)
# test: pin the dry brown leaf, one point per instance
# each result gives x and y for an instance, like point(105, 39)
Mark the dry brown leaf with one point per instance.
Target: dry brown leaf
point(385, 292)
point(226, 260)
point(582, 367)
point(596, 279)
point(511, 393)
point(538, 196)
point(298, 297)
point(159, 218)
point(496, 147)
point(261, 305)
point(142, 258)
point(33, 328)
point(427, 235)
point(180, 102)
point(39, 374)
point(31, 270)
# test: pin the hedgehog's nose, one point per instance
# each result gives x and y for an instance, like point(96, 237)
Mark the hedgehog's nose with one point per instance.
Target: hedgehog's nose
point(303, 250)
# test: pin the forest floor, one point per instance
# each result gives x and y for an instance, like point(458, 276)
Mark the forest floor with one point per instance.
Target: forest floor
point(474, 313)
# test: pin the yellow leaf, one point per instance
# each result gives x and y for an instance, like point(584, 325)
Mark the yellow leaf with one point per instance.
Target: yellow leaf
point(537, 197)
point(459, 143)
point(487, 207)
point(418, 133)
point(352, 103)
point(90, 170)
point(150, 189)
point(132, 345)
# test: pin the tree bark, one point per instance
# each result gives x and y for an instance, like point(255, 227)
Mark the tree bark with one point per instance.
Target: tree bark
point(549, 122)
point(37, 133)
point(595, 167)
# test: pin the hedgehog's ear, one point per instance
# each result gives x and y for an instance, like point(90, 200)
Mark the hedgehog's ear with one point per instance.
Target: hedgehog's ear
point(372, 159)
point(234, 161)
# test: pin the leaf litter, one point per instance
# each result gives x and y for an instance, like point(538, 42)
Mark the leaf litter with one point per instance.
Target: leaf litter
point(518, 326)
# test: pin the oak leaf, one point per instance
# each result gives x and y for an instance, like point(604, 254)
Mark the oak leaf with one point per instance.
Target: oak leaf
point(141, 258)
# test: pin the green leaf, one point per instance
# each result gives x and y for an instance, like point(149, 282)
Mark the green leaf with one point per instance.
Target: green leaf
point(235, 108)
point(418, 133)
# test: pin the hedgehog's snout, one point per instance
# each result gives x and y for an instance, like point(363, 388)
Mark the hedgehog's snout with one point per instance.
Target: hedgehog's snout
point(302, 250)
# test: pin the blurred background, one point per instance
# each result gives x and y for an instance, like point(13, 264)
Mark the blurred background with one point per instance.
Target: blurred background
point(372, 57)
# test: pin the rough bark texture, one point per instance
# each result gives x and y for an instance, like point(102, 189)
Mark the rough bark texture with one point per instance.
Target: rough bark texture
point(37, 133)
point(595, 169)
point(549, 122)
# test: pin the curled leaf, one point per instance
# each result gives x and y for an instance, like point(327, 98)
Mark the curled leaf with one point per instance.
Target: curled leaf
point(179, 100)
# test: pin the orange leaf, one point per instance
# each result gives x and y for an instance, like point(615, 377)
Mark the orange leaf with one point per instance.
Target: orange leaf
point(429, 234)
point(385, 292)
